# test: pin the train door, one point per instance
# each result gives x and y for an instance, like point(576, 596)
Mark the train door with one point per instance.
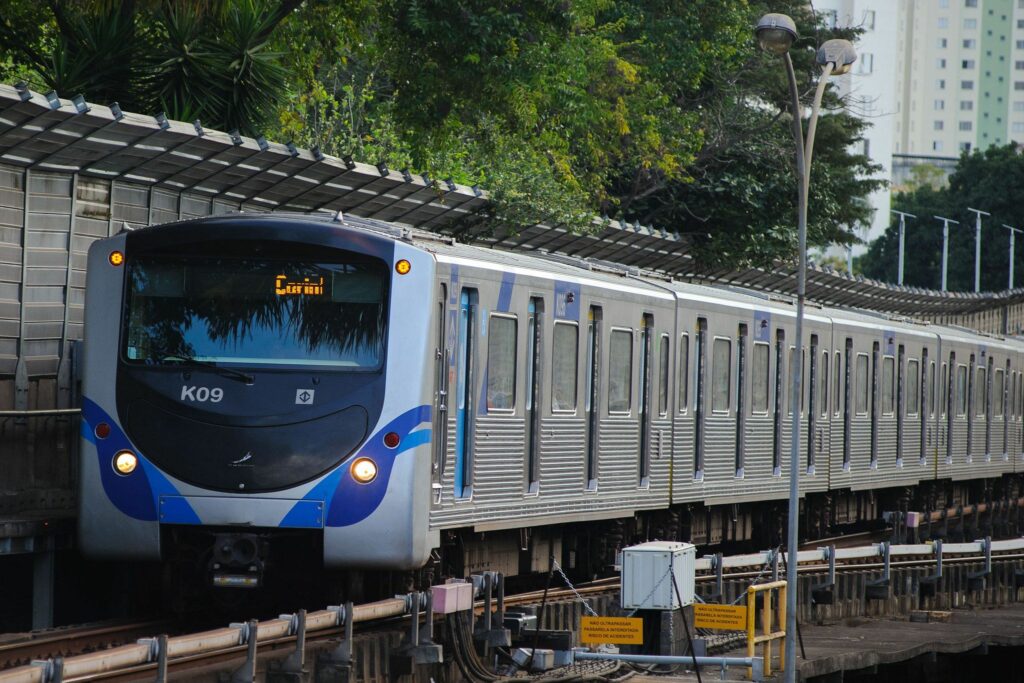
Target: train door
point(442, 363)
point(999, 416)
point(901, 418)
point(465, 400)
point(813, 444)
point(592, 403)
point(927, 383)
point(534, 369)
point(700, 409)
point(646, 366)
point(780, 389)
point(875, 400)
point(741, 396)
point(985, 387)
point(973, 372)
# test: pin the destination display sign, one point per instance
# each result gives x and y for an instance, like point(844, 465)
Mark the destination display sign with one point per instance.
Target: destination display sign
point(306, 286)
point(612, 630)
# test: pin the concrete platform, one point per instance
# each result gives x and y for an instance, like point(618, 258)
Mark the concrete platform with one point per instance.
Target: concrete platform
point(859, 645)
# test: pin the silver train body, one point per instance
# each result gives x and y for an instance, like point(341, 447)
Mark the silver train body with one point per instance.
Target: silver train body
point(528, 394)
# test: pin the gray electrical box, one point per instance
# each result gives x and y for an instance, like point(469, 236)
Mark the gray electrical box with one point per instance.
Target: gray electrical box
point(648, 570)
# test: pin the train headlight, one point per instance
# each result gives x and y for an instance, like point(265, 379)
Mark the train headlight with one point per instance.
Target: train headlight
point(116, 258)
point(125, 462)
point(403, 267)
point(364, 470)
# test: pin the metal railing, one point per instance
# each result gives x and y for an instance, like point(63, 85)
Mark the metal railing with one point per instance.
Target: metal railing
point(768, 635)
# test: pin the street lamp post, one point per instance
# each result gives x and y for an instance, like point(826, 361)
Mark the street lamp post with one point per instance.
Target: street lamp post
point(776, 33)
point(945, 246)
point(1013, 234)
point(903, 228)
point(978, 213)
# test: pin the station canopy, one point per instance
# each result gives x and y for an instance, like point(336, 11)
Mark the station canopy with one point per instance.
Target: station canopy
point(49, 133)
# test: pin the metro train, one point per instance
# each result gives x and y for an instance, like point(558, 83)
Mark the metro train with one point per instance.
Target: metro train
point(261, 390)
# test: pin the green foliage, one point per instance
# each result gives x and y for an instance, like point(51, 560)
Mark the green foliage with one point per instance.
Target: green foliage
point(189, 59)
point(989, 180)
point(658, 111)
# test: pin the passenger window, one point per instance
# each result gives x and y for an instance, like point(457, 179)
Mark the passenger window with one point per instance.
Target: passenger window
point(944, 397)
point(862, 384)
point(929, 389)
point(913, 388)
point(803, 377)
point(888, 363)
point(759, 378)
point(837, 397)
point(997, 395)
point(721, 369)
point(663, 372)
point(684, 372)
point(961, 390)
point(501, 363)
point(823, 393)
point(564, 363)
point(620, 371)
point(980, 385)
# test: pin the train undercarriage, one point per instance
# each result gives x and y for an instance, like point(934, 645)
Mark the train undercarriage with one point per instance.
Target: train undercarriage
point(198, 559)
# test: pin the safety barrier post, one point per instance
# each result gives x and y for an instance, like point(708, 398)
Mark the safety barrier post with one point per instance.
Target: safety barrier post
point(768, 635)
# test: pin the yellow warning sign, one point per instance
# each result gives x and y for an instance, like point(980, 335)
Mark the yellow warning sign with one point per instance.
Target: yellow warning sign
point(722, 617)
point(612, 630)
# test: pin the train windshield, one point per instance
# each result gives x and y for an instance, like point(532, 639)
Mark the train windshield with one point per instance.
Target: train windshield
point(255, 311)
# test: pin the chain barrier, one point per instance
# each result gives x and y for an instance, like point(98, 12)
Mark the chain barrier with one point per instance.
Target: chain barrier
point(586, 605)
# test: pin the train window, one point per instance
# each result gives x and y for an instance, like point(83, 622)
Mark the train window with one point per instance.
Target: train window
point(803, 373)
point(929, 389)
point(997, 393)
point(684, 372)
point(823, 393)
point(861, 384)
point(837, 385)
point(780, 373)
point(721, 373)
point(663, 373)
point(592, 400)
point(888, 364)
point(944, 397)
point(961, 390)
point(620, 371)
point(759, 379)
point(913, 388)
point(980, 385)
point(564, 363)
point(741, 391)
point(501, 363)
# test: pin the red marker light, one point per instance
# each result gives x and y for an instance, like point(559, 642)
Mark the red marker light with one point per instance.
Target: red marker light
point(391, 440)
point(102, 430)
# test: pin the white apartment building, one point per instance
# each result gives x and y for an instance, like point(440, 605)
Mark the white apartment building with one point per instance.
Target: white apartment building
point(960, 75)
point(870, 89)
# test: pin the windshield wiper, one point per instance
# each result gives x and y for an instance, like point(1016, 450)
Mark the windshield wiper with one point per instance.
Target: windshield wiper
point(195, 362)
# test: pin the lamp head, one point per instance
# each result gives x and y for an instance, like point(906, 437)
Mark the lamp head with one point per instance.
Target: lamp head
point(840, 53)
point(776, 33)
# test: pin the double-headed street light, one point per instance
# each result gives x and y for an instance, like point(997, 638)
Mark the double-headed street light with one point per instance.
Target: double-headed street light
point(776, 34)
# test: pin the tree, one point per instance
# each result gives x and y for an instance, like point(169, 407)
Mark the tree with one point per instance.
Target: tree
point(205, 60)
point(989, 180)
point(658, 111)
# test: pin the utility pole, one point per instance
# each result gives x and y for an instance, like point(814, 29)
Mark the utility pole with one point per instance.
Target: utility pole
point(903, 227)
point(1013, 234)
point(945, 246)
point(978, 213)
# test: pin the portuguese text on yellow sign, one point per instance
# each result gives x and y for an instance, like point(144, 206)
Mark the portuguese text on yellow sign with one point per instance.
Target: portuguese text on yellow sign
point(612, 630)
point(723, 617)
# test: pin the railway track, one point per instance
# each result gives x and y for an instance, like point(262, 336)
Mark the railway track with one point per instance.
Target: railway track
point(80, 639)
point(111, 651)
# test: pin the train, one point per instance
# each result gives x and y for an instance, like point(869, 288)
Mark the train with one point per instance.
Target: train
point(265, 390)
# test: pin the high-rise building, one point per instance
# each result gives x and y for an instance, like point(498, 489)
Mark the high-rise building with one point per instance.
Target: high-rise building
point(960, 75)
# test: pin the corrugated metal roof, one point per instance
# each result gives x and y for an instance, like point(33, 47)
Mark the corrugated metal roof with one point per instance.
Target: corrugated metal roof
point(47, 133)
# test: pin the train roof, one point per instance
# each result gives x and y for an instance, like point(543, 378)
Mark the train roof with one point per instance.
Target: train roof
point(612, 274)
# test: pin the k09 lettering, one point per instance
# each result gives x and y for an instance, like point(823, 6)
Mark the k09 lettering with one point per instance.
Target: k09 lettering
point(202, 394)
